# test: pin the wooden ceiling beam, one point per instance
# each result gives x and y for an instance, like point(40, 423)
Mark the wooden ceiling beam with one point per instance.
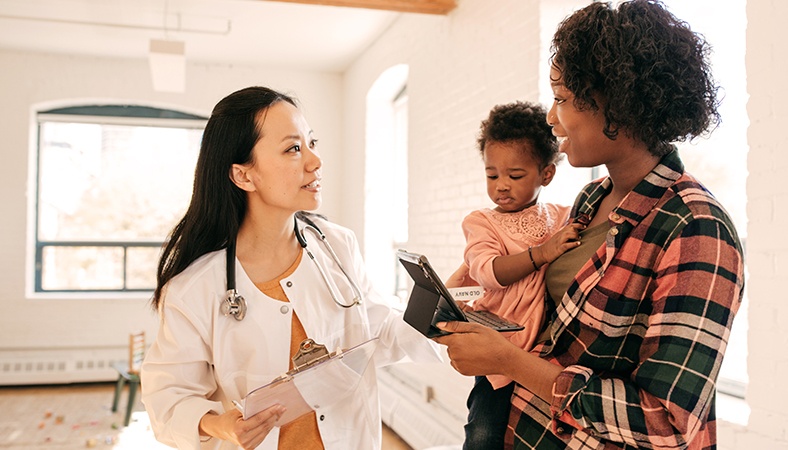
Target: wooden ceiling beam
point(441, 7)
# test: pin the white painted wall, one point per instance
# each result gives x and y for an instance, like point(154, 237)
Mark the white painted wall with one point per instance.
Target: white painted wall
point(31, 328)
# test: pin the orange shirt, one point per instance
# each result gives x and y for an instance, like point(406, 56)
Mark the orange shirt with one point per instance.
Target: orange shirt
point(302, 433)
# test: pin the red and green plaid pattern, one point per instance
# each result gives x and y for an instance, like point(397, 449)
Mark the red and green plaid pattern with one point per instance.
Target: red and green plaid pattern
point(643, 326)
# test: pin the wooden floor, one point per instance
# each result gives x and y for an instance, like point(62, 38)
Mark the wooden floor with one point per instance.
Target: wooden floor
point(393, 442)
point(79, 416)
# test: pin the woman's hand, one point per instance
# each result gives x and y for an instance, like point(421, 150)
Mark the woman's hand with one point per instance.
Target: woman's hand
point(247, 434)
point(478, 350)
point(475, 349)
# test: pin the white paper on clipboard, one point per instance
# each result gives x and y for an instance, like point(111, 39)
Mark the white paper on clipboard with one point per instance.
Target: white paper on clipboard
point(321, 382)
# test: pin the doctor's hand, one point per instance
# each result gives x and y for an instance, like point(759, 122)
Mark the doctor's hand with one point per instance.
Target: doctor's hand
point(475, 349)
point(248, 434)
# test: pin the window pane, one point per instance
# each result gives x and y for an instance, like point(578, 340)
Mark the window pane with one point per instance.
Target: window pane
point(113, 182)
point(141, 265)
point(720, 161)
point(76, 268)
point(386, 180)
point(110, 188)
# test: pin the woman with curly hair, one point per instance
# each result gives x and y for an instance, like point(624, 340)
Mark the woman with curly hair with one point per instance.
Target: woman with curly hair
point(641, 312)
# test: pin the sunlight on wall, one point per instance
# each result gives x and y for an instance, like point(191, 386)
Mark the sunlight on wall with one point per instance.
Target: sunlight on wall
point(386, 183)
point(720, 161)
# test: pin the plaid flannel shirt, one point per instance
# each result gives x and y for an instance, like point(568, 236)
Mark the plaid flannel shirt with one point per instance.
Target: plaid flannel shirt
point(644, 325)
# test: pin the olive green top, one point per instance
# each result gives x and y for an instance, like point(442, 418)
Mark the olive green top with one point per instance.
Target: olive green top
point(562, 271)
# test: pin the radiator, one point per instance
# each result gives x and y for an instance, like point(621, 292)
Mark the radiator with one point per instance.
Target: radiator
point(59, 366)
point(410, 406)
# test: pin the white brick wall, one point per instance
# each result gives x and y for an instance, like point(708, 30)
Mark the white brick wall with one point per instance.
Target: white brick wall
point(767, 210)
point(485, 53)
point(481, 54)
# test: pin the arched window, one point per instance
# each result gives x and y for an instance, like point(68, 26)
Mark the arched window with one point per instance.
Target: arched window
point(386, 185)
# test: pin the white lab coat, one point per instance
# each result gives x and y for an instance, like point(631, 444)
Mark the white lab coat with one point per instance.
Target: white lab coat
point(201, 360)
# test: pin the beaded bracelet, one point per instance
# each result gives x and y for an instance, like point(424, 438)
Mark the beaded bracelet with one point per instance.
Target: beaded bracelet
point(531, 255)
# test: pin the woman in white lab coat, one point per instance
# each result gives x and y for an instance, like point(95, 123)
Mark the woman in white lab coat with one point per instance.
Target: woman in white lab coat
point(257, 171)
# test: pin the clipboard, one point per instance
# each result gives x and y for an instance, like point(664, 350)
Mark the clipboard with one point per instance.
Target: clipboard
point(319, 379)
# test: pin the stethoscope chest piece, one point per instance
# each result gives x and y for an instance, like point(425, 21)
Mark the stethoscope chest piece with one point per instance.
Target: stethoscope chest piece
point(234, 305)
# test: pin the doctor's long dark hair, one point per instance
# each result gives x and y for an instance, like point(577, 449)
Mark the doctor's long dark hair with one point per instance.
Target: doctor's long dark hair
point(217, 205)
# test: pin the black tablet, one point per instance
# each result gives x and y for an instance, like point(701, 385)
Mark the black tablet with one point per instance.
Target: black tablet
point(431, 302)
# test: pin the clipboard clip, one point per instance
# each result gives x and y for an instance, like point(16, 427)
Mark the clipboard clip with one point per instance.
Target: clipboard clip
point(309, 353)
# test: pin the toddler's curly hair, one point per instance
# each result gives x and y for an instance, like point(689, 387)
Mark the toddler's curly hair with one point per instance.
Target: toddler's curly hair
point(524, 123)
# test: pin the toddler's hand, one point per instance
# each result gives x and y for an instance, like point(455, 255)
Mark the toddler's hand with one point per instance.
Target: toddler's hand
point(460, 277)
point(464, 305)
point(565, 239)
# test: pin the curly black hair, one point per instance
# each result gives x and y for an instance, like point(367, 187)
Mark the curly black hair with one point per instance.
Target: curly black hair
point(525, 123)
point(647, 68)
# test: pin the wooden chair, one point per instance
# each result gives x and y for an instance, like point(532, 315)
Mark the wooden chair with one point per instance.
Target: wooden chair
point(129, 372)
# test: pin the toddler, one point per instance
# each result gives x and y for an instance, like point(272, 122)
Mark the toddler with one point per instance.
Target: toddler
point(507, 247)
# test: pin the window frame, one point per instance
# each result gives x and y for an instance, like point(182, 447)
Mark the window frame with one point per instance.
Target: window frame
point(106, 114)
point(386, 141)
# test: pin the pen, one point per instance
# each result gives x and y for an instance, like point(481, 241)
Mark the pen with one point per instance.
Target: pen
point(238, 406)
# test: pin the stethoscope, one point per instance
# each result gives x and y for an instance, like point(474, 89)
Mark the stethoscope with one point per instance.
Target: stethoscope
point(235, 305)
